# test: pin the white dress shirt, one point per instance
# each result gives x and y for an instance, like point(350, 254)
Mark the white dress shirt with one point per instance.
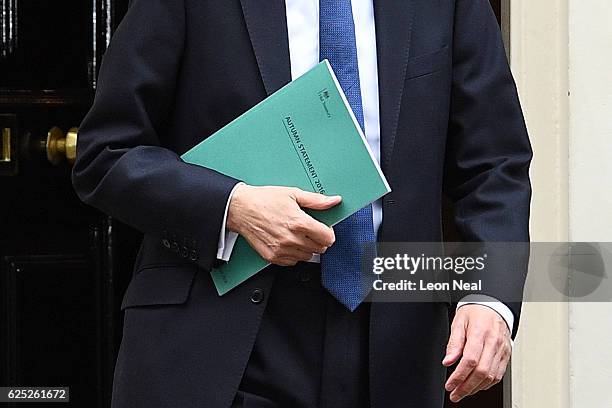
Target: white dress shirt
point(303, 33)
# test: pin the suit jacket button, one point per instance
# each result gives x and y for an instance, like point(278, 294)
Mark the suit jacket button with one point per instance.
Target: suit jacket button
point(257, 296)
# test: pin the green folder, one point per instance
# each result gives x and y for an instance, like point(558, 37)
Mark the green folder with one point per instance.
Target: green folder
point(304, 135)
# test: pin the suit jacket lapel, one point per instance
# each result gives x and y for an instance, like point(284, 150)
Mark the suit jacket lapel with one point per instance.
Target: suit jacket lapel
point(394, 20)
point(267, 25)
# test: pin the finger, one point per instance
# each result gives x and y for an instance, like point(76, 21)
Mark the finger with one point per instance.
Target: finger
point(284, 255)
point(504, 355)
point(503, 365)
point(316, 231)
point(295, 254)
point(469, 361)
point(308, 245)
point(315, 201)
point(482, 371)
point(490, 380)
point(456, 341)
point(285, 261)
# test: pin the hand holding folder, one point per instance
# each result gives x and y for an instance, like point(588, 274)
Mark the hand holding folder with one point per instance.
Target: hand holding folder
point(280, 231)
point(304, 135)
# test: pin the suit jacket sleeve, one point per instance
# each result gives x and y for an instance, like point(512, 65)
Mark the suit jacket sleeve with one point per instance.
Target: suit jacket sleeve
point(121, 167)
point(488, 150)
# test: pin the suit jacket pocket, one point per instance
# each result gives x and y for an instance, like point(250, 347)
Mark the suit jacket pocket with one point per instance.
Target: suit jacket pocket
point(424, 64)
point(160, 285)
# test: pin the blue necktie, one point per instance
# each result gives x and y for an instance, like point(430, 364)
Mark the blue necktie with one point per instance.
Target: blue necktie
point(341, 272)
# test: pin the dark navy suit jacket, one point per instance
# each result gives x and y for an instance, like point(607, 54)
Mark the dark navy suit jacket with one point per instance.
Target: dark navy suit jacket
point(178, 70)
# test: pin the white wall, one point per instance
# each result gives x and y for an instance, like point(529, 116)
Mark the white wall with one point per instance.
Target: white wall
point(561, 56)
point(539, 60)
point(590, 80)
point(590, 193)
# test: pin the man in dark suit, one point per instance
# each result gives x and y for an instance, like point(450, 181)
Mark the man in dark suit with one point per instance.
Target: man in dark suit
point(429, 84)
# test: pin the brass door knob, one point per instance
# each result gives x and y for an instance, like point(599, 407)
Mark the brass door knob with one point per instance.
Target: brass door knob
point(60, 146)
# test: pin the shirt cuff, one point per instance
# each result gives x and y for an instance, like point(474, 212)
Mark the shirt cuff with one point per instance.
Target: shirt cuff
point(316, 258)
point(227, 238)
point(489, 301)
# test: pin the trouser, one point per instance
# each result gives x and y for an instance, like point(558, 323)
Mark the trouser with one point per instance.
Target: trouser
point(310, 350)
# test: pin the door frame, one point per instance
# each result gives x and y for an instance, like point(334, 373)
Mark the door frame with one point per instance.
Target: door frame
point(536, 35)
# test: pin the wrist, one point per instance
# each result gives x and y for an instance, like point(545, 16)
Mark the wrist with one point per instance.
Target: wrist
point(236, 205)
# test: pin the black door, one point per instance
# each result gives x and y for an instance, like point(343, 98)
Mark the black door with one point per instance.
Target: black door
point(59, 259)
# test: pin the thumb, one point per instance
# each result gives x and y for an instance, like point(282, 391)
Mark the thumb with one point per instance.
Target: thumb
point(456, 342)
point(315, 201)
